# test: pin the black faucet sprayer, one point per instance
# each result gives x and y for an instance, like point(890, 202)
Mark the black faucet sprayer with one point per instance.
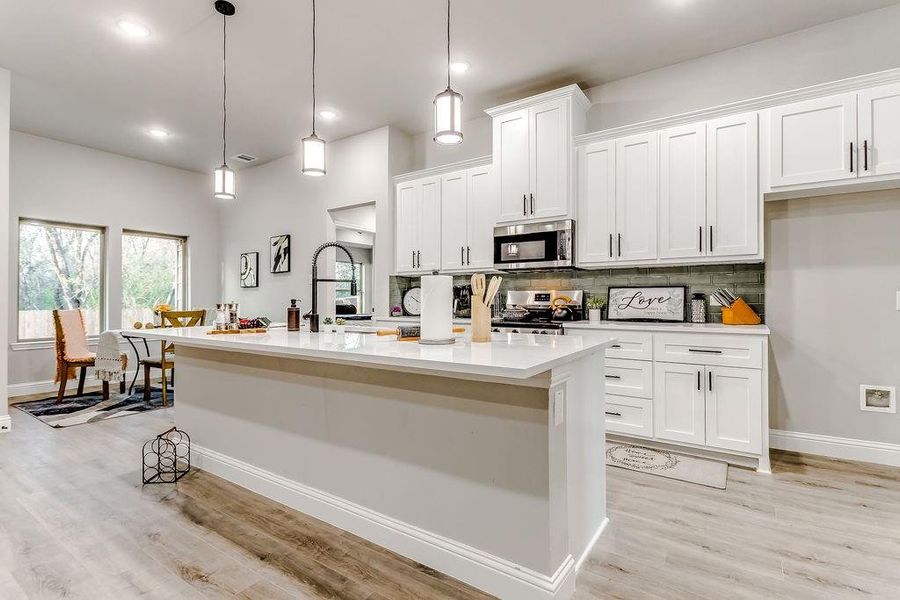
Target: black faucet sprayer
point(314, 313)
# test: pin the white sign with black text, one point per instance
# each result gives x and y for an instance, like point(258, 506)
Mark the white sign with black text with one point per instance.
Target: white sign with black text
point(647, 304)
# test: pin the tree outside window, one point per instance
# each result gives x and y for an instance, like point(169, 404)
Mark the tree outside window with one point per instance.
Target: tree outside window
point(152, 275)
point(60, 267)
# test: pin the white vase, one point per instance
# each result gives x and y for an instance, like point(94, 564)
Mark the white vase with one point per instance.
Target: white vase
point(595, 315)
point(340, 329)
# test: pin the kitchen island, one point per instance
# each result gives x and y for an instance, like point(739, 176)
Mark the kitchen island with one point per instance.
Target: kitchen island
point(482, 461)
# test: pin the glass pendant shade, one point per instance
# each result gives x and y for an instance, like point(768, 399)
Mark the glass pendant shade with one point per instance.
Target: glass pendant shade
point(224, 183)
point(448, 117)
point(312, 156)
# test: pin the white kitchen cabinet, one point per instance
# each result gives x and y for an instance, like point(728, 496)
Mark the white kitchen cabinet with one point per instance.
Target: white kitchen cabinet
point(733, 409)
point(879, 131)
point(468, 214)
point(596, 203)
point(732, 186)
point(532, 153)
point(418, 226)
point(814, 141)
point(629, 416)
point(637, 187)
point(682, 191)
point(511, 161)
point(679, 403)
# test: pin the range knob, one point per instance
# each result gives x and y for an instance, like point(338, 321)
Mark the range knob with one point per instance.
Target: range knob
point(515, 331)
point(496, 330)
point(544, 332)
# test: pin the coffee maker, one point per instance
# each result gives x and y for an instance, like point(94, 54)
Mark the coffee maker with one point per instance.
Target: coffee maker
point(462, 301)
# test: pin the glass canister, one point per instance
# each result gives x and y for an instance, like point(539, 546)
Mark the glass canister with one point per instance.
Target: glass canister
point(698, 308)
point(234, 320)
point(221, 316)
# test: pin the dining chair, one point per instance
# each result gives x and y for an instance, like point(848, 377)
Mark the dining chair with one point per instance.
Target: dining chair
point(72, 353)
point(166, 361)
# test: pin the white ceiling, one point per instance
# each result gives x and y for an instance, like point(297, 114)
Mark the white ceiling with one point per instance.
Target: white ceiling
point(77, 79)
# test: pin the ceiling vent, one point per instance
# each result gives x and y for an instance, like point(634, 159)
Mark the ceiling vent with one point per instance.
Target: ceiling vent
point(244, 158)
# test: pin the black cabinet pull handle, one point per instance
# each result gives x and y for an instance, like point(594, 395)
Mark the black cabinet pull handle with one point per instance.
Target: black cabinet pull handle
point(865, 155)
point(613, 377)
point(468, 255)
point(709, 241)
point(616, 346)
point(419, 258)
point(620, 245)
point(710, 380)
point(414, 259)
point(610, 245)
point(532, 202)
point(700, 238)
point(698, 381)
point(613, 414)
point(702, 351)
point(462, 255)
point(524, 204)
point(851, 157)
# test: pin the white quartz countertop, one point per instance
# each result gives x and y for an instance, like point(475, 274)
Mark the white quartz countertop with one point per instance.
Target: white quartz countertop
point(508, 355)
point(613, 326)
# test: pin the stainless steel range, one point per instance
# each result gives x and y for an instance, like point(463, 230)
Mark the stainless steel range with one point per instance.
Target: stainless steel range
point(539, 312)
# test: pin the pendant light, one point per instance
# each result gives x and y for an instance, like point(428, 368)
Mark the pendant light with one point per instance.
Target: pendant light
point(223, 177)
point(448, 106)
point(312, 148)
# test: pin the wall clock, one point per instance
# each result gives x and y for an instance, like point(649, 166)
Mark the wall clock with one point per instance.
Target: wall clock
point(412, 301)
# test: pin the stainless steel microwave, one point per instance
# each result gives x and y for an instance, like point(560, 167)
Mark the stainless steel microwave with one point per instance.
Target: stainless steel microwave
point(535, 246)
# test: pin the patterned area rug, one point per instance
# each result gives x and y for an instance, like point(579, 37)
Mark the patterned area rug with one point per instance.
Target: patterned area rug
point(91, 407)
point(711, 473)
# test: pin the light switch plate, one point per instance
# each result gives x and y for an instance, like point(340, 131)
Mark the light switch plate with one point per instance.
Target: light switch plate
point(559, 407)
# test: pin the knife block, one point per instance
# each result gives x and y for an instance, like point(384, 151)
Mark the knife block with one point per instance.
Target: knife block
point(739, 313)
point(481, 321)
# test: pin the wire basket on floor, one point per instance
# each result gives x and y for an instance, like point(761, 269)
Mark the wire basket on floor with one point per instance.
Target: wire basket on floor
point(167, 457)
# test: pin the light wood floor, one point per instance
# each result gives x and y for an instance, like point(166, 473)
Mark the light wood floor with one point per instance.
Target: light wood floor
point(75, 522)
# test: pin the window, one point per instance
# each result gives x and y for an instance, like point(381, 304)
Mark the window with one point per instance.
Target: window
point(342, 290)
point(153, 273)
point(60, 266)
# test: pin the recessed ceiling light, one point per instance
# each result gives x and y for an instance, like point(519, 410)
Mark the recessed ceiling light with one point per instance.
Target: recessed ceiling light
point(459, 66)
point(157, 133)
point(132, 29)
point(328, 115)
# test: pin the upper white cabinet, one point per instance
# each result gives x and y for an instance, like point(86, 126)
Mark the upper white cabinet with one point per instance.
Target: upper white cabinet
point(596, 203)
point(879, 130)
point(682, 191)
point(636, 197)
point(813, 141)
point(532, 154)
point(418, 225)
point(468, 214)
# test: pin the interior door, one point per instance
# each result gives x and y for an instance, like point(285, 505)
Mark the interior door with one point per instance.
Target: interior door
point(732, 186)
point(549, 159)
point(733, 410)
point(482, 216)
point(636, 197)
point(596, 203)
point(405, 234)
point(879, 131)
point(454, 217)
point(428, 252)
point(511, 164)
point(814, 141)
point(682, 191)
point(678, 403)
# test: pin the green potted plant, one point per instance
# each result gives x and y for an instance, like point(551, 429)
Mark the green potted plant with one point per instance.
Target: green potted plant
point(340, 326)
point(595, 306)
point(328, 323)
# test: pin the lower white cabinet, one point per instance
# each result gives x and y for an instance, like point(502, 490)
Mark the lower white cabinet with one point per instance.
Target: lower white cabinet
point(733, 409)
point(679, 404)
point(629, 416)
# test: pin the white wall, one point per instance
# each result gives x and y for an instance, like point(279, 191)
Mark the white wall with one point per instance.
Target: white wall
point(4, 243)
point(832, 277)
point(857, 45)
point(275, 198)
point(63, 182)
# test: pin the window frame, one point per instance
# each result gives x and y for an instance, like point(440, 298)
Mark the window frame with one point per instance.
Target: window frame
point(182, 266)
point(102, 299)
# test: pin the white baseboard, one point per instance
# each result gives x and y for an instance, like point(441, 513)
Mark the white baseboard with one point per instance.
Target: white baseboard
point(587, 551)
point(5, 423)
point(487, 572)
point(836, 447)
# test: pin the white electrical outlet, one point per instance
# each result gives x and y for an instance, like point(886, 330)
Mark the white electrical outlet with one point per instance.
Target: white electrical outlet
point(559, 407)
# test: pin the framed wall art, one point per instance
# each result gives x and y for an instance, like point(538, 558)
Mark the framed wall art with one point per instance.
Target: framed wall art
point(644, 303)
point(250, 269)
point(280, 254)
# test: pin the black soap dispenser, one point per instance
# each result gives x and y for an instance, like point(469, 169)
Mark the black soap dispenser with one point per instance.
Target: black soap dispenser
point(293, 316)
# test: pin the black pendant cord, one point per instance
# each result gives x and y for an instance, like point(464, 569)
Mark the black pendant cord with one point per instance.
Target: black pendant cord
point(314, 68)
point(448, 44)
point(224, 84)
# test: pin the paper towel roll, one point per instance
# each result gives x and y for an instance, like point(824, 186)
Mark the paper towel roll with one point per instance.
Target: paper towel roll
point(437, 309)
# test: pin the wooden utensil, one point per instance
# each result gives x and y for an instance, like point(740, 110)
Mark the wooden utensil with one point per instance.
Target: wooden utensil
point(481, 314)
point(492, 290)
point(408, 333)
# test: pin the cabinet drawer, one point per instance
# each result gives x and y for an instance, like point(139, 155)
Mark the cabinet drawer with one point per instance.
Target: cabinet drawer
point(629, 377)
point(631, 344)
point(699, 349)
point(630, 416)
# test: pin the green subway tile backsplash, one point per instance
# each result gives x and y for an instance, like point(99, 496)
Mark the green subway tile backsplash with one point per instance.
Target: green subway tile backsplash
point(745, 280)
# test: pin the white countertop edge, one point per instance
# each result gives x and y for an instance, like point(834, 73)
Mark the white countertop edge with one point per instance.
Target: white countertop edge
point(421, 366)
point(717, 328)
